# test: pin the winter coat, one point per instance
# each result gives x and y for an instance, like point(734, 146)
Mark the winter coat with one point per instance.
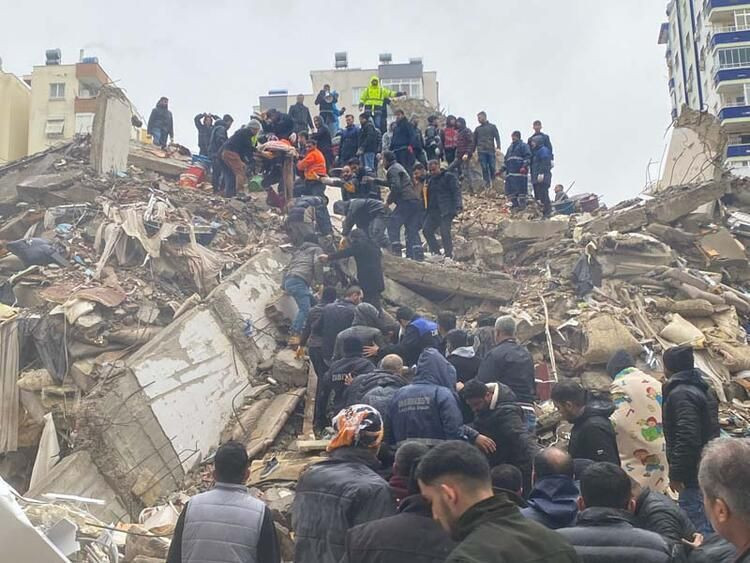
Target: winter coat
point(411, 536)
point(607, 535)
point(691, 420)
point(323, 136)
point(592, 436)
point(543, 141)
point(464, 143)
point(242, 143)
point(443, 195)
point(310, 209)
point(418, 335)
point(517, 156)
point(309, 337)
point(160, 118)
point(219, 136)
point(541, 164)
point(553, 502)
point(375, 389)
point(313, 165)
point(360, 212)
point(368, 258)
point(449, 137)
point(403, 135)
point(401, 185)
point(204, 133)
point(37, 251)
point(427, 408)
point(504, 422)
point(300, 115)
point(334, 380)
point(486, 138)
point(369, 138)
point(282, 126)
point(659, 513)
point(466, 363)
point(484, 341)
point(716, 549)
point(373, 96)
point(305, 264)
point(367, 335)
point(432, 136)
point(333, 496)
point(349, 143)
point(336, 317)
point(511, 364)
point(493, 531)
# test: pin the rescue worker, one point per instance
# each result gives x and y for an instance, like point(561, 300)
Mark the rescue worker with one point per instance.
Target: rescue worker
point(541, 174)
point(303, 273)
point(308, 215)
point(349, 143)
point(236, 153)
point(369, 144)
point(404, 142)
point(160, 125)
point(368, 215)
point(219, 136)
point(372, 99)
point(516, 168)
point(417, 334)
point(443, 202)
point(313, 167)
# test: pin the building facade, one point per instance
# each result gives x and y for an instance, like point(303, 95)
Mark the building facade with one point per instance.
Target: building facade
point(708, 59)
point(63, 100)
point(15, 101)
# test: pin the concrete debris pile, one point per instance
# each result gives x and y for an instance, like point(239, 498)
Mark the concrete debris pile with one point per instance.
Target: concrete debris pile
point(142, 324)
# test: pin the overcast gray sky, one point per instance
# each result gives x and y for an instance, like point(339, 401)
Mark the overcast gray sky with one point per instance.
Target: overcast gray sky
point(589, 69)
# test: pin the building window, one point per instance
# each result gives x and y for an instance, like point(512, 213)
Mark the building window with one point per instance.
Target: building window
point(412, 86)
point(737, 57)
point(357, 94)
point(55, 127)
point(57, 91)
point(741, 19)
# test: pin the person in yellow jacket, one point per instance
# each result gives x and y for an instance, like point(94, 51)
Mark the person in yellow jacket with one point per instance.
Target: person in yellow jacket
point(372, 100)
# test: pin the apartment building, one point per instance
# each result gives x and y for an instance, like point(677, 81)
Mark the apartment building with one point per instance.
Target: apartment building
point(15, 100)
point(708, 59)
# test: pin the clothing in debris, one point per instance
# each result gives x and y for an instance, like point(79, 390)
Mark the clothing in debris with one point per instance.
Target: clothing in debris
point(511, 364)
point(553, 502)
point(587, 272)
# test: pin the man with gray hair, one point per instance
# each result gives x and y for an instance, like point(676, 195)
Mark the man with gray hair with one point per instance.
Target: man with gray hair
point(724, 478)
point(511, 364)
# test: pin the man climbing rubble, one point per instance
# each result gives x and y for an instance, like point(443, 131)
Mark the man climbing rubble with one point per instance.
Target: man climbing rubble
point(302, 274)
point(308, 215)
point(226, 523)
point(368, 215)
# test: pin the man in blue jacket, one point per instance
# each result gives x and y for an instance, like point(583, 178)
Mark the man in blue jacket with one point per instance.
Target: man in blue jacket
point(417, 334)
point(403, 141)
point(516, 168)
point(541, 174)
point(553, 501)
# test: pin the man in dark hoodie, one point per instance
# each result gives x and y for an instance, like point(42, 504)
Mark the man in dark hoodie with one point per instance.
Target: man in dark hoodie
point(553, 499)
point(343, 491)
point(204, 123)
point(592, 436)
point(412, 536)
point(160, 125)
point(498, 416)
point(403, 141)
point(219, 135)
point(365, 328)
point(461, 355)
point(690, 416)
point(332, 385)
point(417, 334)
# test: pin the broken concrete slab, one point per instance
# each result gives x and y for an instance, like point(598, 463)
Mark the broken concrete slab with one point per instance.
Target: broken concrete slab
point(404, 297)
point(489, 285)
point(523, 229)
point(110, 134)
point(145, 158)
point(679, 201)
point(272, 421)
point(77, 475)
point(722, 249)
point(490, 252)
point(288, 369)
point(41, 188)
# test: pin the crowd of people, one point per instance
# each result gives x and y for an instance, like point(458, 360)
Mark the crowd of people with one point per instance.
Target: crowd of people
point(431, 429)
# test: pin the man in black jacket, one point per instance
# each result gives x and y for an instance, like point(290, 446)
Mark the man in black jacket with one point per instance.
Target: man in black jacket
point(313, 340)
point(690, 417)
point(349, 143)
point(724, 477)
point(160, 124)
point(553, 501)
point(300, 115)
point(343, 491)
point(498, 416)
point(510, 363)
point(592, 436)
point(369, 142)
point(604, 531)
point(278, 123)
point(412, 536)
point(366, 214)
point(219, 136)
point(336, 317)
point(204, 123)
point(403, 141)
point(332, 385)
point(444, 203)
point(325, 140)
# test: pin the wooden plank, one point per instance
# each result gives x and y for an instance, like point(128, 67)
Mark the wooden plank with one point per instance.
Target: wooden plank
point(312, 445)
point(272, 421)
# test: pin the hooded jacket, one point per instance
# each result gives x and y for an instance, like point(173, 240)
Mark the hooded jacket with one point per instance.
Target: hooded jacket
point(593, 436)
point(219, 136)
point(333, 496)
point(160, 118)
point(607, 535)
point(368, 258)
point(369, 138)
point(466, 362)
point(504, 422)
point(418, 335)
point(427, 408)
point(553, 502)
point(401, 185)
point(403, 136)
point(242, 143)
point(334, 382)
point(658, 513)
point(360, 212)
point(690, 417)
point(493, 531)
point(443, 196)
point(373, 96)
point(336, 317)
point(305, 264)
point(411, 536)
point(543, 141)
point(511, 364)
point(375, 389)
point(364, 328)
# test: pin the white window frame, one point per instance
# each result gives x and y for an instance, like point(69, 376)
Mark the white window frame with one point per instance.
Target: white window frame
point(734, 57)
point(54, 127)
point(742, 19)
point(414, 87)
point(357, 94)
point(57, 90)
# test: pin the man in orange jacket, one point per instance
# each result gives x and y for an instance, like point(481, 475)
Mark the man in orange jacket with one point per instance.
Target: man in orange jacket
point(313, 166)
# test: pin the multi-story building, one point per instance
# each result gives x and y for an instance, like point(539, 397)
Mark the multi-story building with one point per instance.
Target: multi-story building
point(63, 99)
point(708, 58)
point(15, 99)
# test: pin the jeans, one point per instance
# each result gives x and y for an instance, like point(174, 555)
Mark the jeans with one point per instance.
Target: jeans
point(407, 214)
point(691, 501)
point(368, 161)
point(432, 222)
point(160, 137)
point(487, 162)
point(302, 295)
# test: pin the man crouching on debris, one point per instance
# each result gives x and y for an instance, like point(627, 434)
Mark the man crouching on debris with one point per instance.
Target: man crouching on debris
point(226, 523)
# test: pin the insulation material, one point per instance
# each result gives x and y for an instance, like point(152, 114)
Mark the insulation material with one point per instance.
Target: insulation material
point(604, 336)
point(679, 331)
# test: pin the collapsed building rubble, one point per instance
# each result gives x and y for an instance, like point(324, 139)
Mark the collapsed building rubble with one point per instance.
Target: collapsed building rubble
point(149, 326)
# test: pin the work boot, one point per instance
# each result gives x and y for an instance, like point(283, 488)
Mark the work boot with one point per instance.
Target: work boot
point(396, 248)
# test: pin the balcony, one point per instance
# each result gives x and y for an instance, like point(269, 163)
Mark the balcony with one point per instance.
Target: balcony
point(738, 151)
point(726, 35)
point(709, 5)
point(731, 74)
point(85, 105)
